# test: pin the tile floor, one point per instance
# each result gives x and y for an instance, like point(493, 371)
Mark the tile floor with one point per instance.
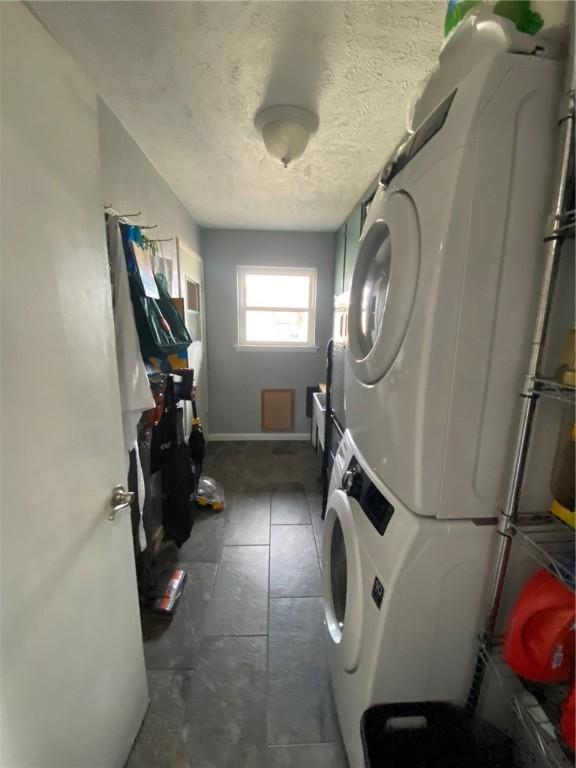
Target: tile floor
point(239, 678)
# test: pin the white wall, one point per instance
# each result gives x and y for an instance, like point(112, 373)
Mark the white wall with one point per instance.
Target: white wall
point(236, 377)
point(131, 183)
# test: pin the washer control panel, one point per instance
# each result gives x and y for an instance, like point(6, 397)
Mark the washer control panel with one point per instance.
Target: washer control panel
point(374, 504)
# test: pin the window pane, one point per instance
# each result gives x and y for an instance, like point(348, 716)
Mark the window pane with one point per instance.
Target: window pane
point(194, 325)
point(277, 290)
point(192, 295)
point(276, 326)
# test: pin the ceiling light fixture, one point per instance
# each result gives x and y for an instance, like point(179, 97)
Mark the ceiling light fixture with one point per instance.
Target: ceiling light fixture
point(285, 131)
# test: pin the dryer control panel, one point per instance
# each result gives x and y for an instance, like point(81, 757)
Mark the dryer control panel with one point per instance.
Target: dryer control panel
point(374, 504)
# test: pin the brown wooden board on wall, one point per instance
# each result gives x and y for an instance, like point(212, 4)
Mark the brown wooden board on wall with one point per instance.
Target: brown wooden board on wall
point(179, 304)
point(277, 410)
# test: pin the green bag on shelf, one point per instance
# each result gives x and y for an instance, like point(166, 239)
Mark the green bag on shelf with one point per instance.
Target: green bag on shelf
point(518, 11)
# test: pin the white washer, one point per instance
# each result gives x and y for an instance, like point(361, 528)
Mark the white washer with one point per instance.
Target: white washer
point(443, 294)
point(403, 598)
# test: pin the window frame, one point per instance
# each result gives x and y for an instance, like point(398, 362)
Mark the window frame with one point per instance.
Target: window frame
point(194, 318)
point(242, 308)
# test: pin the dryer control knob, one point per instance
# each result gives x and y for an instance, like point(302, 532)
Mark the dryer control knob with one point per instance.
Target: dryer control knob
point(350, 480)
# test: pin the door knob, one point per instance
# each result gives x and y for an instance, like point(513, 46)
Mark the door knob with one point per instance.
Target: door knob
point(120, 499)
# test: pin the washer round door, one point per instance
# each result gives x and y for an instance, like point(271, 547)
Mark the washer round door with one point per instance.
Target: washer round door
point(342, 579)
point(383, 288)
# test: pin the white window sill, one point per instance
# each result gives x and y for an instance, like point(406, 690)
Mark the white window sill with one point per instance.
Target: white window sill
point(273, 348)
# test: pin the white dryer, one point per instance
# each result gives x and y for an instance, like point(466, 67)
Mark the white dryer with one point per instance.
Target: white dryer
point(403, 597)
point(443, 293)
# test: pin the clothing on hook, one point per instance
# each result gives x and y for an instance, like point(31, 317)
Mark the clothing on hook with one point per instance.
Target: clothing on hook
point(135, 395)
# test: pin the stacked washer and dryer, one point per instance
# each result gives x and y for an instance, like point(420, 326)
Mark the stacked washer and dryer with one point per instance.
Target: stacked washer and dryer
point(441, 309)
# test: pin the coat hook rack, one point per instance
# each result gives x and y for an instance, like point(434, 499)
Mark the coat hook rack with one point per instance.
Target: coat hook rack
point(160, 239)
point(111, 210)
point(128, 216)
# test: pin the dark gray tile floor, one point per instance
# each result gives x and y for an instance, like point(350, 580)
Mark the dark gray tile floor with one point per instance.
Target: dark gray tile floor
point(299, 705)
point(239, 604)
point(294, 570)
point(239, 678)
point(176, 645)
point(249, 519)
point(289, 505)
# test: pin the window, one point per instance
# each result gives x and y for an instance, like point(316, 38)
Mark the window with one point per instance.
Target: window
point(276, 307)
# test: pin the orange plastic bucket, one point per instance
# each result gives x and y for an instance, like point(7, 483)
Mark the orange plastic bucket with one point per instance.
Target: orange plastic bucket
point(539, 641)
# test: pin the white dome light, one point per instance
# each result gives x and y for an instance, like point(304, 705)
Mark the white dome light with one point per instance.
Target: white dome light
point(285, 131)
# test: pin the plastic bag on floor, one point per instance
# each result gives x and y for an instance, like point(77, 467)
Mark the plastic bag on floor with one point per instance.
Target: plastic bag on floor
point(210, 493)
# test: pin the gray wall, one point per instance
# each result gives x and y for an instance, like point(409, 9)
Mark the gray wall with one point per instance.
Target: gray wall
point(131, 183)
point(235, 377)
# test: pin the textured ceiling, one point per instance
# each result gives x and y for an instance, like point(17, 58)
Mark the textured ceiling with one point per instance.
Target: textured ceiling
point(186, 79)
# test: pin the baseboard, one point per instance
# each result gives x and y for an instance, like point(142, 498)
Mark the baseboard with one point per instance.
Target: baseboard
point(221, 437)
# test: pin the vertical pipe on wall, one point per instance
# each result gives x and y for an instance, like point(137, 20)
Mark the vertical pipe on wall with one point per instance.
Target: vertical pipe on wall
point(327, 427)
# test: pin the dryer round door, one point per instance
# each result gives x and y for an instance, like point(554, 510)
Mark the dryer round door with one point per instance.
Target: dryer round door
point(342, 579)
point(383, 288)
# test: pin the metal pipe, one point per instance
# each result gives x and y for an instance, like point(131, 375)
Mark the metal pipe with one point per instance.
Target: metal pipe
point(327, 426)
point(553, 247)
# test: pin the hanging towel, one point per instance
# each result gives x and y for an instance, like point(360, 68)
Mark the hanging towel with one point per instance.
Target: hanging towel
point(135, 394)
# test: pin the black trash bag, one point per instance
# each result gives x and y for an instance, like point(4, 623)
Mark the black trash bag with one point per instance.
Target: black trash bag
point(178, 489)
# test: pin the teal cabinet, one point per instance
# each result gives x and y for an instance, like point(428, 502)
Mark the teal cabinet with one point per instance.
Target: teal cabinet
point(353, 225)
point(348, 245)
point(340, 264)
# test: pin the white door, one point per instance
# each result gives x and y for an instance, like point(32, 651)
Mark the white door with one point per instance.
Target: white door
point(73, 685)
point(192, 290)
